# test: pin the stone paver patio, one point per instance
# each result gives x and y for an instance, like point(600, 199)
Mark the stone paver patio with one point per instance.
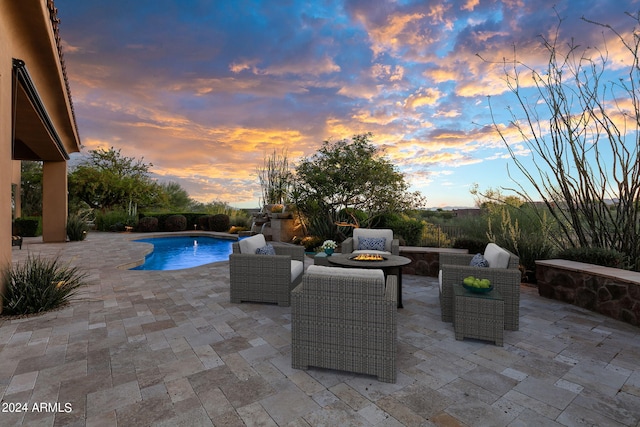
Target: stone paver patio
point(169, 349)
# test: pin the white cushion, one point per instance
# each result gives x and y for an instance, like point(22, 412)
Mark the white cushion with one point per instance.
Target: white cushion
point(250, 244)
point(496, 256)
point(373, 232)
point(297, 268)
point(321, 270)
point(440, 280)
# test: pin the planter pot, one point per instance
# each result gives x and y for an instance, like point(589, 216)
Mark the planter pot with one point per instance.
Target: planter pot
point(328, 251)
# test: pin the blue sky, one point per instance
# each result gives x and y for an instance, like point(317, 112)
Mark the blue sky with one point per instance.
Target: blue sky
point(205, 89)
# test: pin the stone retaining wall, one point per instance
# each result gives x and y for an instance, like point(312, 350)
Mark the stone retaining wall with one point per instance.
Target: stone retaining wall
point(609, 291)
point(424, 261)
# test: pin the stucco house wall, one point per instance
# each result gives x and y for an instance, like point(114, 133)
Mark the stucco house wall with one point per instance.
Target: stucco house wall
point(37, 121)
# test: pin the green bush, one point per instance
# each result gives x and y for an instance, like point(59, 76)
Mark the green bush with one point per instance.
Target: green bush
point(203, 222)
point(407, 229)
point(312, 242)
point(27, 226)
point(241, 219)
point(114, 220)
point(175, 223)
point(38, 285)
point(219, 222)
point(434, 236)
point(77, 228)
point(192, 220)
point(148, 224)
point(474, 246)
point(597, 256)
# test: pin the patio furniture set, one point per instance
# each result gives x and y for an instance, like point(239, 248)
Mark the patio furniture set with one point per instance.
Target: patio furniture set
point(344, 311)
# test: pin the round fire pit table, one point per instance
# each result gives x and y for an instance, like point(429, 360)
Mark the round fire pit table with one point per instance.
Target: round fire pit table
point(391, 264)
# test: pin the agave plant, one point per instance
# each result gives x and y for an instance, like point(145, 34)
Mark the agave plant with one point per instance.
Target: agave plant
point(40, 284)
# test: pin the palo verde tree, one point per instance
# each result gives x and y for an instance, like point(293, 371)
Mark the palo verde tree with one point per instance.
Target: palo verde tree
point(349, 174)
point(108, 180)
point(583, 134)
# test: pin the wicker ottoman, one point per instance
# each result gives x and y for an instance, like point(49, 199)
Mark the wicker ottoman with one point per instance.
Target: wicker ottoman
point(479, 316)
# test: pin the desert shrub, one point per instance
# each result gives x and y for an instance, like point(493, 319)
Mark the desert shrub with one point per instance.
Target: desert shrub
point(404, 228)
point(148, 224)
point(203, 222)
point(433, 235)
point(39, 284)
point(175, 223)
point(27, 227)
point(219, 222)
point(598, 256)
point(114, 220)
point(241, 219)
point(310, 243)
point(77, 228)
point(474, 246)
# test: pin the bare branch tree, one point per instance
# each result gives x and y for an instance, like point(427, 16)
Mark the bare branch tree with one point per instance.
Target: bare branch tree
point(583, 132)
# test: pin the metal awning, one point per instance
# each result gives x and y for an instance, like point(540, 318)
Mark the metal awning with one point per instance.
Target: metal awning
point(34, 135)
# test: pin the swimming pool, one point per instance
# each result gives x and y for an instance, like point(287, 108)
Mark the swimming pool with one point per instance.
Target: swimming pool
point(175, 253)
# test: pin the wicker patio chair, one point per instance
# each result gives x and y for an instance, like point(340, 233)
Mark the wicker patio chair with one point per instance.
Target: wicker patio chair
point(455, 267)
point(16, 241)
point(354, 244)
point(345, 319)
point(264, 278)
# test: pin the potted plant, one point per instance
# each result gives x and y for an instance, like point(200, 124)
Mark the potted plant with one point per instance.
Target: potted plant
point(329, 246)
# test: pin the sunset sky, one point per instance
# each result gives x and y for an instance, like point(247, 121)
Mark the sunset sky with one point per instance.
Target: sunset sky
point(205, 89)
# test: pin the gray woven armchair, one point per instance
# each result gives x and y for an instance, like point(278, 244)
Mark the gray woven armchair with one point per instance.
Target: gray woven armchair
point(345, 319)
point(355, 245)
point(455, 267)
point(264, 278)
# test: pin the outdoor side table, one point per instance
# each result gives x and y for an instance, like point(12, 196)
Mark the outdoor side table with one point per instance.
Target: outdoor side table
point(479, 316)
point(321, 259)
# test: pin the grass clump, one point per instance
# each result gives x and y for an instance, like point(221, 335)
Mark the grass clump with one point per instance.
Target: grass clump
point(77, 228)
point(40, 284)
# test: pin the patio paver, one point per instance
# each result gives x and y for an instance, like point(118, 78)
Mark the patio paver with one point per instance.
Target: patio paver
point(168, 348)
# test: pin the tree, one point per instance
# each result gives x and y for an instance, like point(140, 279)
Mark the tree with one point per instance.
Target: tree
point(31, 188)
point(275, 179)
point(108, 180)
point(349, 174)
point(582, 131)
point(174, 197)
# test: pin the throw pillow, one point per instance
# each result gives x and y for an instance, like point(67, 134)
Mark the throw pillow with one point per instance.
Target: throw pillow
point(479, 261)
point(371, 243)
point(266, 250)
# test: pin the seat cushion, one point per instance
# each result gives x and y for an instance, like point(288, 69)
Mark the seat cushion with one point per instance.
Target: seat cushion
point(479, 260)
point(266, 250)
point(249, 245)
point(371, 243)
point(373, 232)
point(321, 270)
point(297, 268)
point(496, 256)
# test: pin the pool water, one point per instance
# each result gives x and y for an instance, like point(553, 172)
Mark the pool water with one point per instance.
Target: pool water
point(175, 253)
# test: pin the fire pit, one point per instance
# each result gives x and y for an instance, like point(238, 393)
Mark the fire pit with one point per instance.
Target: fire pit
point(368, 257)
